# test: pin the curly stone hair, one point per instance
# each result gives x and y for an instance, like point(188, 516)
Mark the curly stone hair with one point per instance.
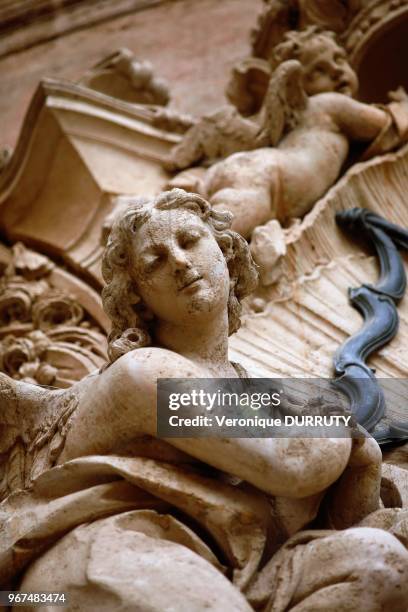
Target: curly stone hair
point(132, 323)
point(292, 45)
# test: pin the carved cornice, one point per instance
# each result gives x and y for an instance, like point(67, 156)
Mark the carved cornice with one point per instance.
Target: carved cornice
point(25, 23)
point(57, 188)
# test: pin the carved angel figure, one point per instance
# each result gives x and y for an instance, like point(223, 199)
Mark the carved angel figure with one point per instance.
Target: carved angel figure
point(301, 136)
point(83, 464)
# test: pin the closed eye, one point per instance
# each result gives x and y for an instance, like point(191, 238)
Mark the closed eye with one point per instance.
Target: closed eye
point(187, 241)
point(153, 262)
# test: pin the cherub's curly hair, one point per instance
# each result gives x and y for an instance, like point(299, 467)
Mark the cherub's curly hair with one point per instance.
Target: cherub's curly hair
point(293, 43)
point(132, 323)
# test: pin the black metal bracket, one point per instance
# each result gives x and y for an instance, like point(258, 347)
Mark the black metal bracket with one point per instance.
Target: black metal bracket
point(378, 306)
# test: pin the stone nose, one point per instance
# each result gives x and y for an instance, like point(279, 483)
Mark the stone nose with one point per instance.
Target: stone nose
point(179, 258)
point(336, 70)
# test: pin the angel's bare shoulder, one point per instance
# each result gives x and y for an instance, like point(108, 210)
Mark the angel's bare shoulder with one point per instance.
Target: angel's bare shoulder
point(145, 366)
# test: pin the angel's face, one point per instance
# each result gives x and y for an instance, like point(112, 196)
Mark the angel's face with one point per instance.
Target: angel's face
point(326, 68)
point(179, 269)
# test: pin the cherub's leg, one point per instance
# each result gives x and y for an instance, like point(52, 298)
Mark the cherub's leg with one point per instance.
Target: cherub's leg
point(248, 186)
point(190, 180)
point(250, 207)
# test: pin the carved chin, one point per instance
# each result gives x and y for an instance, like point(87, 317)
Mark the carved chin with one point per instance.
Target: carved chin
point(348, 86)
point(202, 303)
point(205, 301)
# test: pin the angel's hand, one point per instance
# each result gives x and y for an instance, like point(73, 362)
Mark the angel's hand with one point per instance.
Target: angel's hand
point(365, 451)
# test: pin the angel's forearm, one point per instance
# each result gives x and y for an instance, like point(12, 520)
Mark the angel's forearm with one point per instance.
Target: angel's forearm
point(292, 468)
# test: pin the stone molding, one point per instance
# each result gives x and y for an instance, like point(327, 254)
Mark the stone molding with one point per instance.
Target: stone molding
point(46, 19)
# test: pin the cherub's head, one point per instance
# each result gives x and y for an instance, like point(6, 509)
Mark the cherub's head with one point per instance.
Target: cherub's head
point(172, 258)
point(324, 61)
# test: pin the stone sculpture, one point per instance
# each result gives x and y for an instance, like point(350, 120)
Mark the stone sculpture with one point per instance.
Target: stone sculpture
point(176, 275)
point(92, 503)
point(309, 113)
point(121, 75)
point(369, 30)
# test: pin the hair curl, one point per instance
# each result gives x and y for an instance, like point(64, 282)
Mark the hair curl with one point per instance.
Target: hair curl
point(292, 45)
point(132, 322)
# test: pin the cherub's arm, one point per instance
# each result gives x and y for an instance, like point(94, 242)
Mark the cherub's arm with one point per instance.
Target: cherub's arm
point(355, 119)
point(386, 126)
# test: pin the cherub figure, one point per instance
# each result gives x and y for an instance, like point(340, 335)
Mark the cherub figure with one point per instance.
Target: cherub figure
point(311, 117)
